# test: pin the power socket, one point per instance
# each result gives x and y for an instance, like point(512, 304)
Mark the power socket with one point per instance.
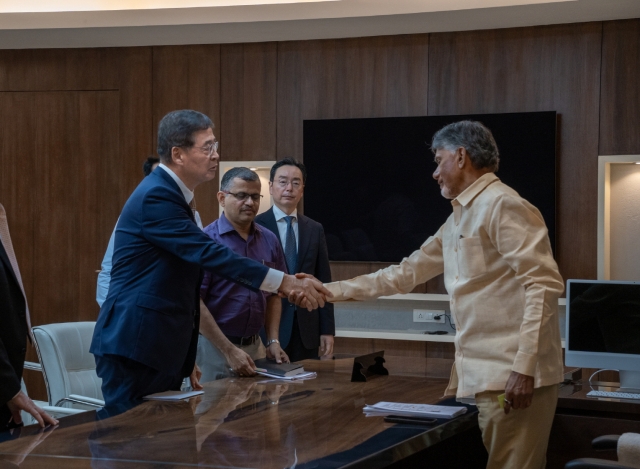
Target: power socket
point(428, 315)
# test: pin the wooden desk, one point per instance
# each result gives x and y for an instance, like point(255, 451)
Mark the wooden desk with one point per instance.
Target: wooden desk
point(244, 423)
point(579, 419)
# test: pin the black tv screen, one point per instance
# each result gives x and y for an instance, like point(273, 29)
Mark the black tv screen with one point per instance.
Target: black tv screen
point(370, 180)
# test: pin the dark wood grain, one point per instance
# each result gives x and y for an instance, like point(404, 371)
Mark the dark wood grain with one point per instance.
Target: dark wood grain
point(188, 77)
point(367, 77)
point(554, 68)
point(75, 129)
point(248, 82)
point(619, 98)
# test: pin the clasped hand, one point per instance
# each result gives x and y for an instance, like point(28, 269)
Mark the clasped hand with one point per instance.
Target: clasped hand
point(304, 290)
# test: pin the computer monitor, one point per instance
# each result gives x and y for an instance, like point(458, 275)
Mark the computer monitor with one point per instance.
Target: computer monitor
point(603, 327)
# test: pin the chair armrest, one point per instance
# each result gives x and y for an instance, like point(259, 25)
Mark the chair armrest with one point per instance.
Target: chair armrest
point(32, 366)
point(592, 463)
point(605, 442)
point(90, 401)
point(87, 400)
point(62, 411)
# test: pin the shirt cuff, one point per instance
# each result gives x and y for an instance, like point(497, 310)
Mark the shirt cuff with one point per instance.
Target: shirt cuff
point(525, 364)
point(336, 291)
point(272, 281)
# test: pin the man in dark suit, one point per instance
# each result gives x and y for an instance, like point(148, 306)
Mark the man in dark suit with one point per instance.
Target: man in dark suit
point(14, 322)
point(147, 332)
point(305, 252)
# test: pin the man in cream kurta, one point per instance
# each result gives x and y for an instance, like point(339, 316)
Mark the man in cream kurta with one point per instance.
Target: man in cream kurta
point(504, 286)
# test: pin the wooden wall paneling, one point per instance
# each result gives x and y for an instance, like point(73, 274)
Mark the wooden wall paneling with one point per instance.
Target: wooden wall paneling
point(248, 101)
point(76, 133)
point(348, 78)
point(20, 162)
point(59, 69)
point(619, 98)
point(535, 69)
point(188, 77)
point(75, 129)
point(365, 77)
point(120, 174)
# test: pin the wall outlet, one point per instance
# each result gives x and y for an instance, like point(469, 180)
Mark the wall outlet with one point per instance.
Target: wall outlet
point(428, 315)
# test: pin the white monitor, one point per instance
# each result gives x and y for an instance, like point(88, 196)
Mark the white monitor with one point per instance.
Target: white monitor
point(603, 327)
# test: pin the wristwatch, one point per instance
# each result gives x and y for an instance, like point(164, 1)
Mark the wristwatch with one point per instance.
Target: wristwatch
point(273, 341)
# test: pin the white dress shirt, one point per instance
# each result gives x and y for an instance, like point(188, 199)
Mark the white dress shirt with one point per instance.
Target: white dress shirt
point(504, 285)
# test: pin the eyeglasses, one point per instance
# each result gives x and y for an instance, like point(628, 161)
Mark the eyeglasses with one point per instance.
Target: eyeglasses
point(295, 183)
point(242, 196)
point(210, 149)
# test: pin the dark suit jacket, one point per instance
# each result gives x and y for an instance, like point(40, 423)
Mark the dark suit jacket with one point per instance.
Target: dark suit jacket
point(312, 259)
point(13, 335)
point(151, 314)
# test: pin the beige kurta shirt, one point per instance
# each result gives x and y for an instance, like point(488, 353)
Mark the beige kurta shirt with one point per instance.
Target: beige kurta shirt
point(503, 282)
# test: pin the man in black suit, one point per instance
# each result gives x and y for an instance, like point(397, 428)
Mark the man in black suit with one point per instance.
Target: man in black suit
point(14, 327)
point(305, 252)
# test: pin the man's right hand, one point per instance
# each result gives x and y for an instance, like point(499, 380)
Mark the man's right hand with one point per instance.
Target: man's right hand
point(308, 291)
point(240, 362)
point(22, 402)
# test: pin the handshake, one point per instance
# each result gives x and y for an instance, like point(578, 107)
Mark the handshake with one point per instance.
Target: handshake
point(304, 290)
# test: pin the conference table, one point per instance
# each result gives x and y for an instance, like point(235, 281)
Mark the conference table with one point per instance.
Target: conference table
point(261, 423)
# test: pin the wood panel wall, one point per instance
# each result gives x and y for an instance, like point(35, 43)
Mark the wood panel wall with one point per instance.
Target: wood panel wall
point(76, 124)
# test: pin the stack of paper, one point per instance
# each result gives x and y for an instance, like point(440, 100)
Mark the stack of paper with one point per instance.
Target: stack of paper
point(172, 395)
point(382, 409)
point(303, 375)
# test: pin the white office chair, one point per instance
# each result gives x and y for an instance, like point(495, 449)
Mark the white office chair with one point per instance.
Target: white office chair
point(55, 412)
point(69, 369)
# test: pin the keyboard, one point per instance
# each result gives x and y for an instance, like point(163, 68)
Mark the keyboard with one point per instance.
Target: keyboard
point(614, 395)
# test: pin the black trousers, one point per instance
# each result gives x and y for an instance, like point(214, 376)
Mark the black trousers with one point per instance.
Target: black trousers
point(296, 349)
point(127, 381)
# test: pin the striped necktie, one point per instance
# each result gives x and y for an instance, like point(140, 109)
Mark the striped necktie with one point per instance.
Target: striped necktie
point(5, 238)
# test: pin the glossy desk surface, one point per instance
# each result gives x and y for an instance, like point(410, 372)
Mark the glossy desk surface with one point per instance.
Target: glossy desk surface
point(246, 423)
point(574, 396)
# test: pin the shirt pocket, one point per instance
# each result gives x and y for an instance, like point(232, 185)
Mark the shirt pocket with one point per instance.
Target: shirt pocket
point(471, 259)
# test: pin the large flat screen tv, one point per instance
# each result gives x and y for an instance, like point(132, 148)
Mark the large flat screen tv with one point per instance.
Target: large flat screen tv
point(370, 180)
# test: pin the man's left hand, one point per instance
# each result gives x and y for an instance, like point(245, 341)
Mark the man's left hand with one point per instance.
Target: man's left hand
point(275, 352)
point(326, 345)
point(519, 392)
point(196, 374)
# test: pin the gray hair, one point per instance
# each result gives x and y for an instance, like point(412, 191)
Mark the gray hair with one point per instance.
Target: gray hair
point(176, 129)
point(239, 172)
point(474, 137)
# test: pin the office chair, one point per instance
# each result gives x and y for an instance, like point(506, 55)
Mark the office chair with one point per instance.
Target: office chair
point(627, 445)
point(69, 369)
point(55, 412)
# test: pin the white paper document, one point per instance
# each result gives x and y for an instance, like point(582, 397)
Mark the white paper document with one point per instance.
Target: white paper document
point(382, 409)
point(172, 395)
point(299, 376)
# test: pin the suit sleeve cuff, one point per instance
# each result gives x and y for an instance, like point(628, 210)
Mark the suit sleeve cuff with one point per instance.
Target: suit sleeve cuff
point(272, 281)
point(525, 364)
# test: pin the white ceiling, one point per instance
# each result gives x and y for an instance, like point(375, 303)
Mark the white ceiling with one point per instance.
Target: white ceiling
point(108, 23)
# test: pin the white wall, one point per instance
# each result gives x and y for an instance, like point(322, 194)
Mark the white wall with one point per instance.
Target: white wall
point(625, 222)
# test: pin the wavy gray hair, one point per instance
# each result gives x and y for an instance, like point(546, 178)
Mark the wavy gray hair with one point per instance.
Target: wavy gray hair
point(474, 137)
